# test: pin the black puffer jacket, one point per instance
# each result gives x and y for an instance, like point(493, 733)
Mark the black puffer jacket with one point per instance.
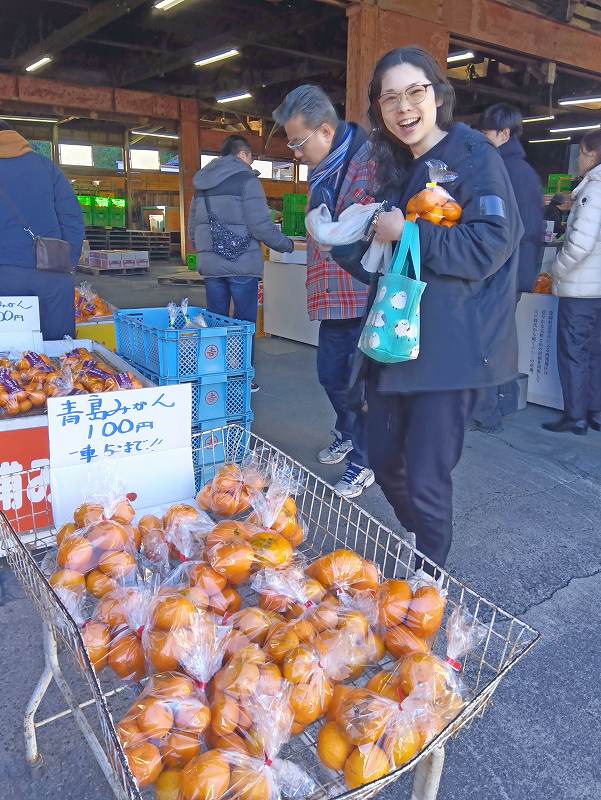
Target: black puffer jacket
point(468, 336)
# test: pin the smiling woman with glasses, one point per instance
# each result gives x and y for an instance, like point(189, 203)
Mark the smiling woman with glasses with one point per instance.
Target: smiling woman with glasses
point(417, 410)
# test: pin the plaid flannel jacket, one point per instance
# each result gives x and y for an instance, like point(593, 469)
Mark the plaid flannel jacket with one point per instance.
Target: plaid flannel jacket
point(331, 292)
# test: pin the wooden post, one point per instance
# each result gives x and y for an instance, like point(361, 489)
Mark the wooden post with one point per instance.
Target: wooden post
point(373, 31)
point(189, 164)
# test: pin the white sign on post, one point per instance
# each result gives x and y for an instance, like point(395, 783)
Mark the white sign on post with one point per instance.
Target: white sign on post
point(20, 323)
point(138, 440)
point(536, 320)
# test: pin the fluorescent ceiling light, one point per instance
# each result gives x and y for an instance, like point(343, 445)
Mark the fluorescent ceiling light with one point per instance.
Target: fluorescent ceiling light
point(156, 135)
point(558, 139)
point(539, 119)
point(575, 128)
point(231, 98)
point(464, 55)
point(202, 62)
point(166, 5)
point(37, 64)
point(27, 119)
point(579, 101)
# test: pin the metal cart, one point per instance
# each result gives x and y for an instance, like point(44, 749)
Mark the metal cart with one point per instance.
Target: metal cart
point(331, 522)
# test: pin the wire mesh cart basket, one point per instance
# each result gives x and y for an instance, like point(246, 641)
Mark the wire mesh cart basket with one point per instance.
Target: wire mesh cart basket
point(331, 522)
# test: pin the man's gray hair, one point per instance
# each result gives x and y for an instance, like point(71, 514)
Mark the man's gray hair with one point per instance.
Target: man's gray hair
point(310, 101)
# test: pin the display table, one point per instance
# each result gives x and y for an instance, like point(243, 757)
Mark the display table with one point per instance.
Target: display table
point(285, 303)
point(536, 320)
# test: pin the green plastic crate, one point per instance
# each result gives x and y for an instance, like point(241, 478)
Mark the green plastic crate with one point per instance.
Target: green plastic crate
point(559, 182)
point(294, 203)
point(117, 212)
point(293, 224)
point(191, 261)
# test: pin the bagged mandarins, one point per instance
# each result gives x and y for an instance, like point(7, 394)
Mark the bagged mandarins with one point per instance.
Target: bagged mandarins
point(543, 283)
point(276, 508)
point(258, 773)
point(434, 203)
point(162, 729)
point(287, 590)
point(229, 493)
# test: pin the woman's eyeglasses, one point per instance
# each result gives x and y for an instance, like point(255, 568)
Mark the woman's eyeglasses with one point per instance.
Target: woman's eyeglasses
point(414, 95)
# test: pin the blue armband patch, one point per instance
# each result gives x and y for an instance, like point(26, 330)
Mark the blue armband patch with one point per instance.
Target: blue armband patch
point(491, 205)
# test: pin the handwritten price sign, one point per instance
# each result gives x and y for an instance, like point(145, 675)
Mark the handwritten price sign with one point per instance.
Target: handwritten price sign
point(139, 439)
point(19, 323)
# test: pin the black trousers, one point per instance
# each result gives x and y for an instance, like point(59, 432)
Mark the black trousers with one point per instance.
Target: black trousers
point(579, 355)
point(55, 293)
point(415, 441)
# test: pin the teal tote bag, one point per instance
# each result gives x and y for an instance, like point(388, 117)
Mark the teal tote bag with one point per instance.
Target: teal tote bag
point(391, 331)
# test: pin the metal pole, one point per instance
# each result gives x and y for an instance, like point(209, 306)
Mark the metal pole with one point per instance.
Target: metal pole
point(55, 154)
point(31, 745)
point(126, 168)
point(427, 776)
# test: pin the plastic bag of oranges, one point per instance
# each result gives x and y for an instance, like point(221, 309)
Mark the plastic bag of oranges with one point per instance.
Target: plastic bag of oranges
point(161, 731)
point(276, 508)
point(344, 570)
point(434, 203)
point(98, 556)
point(229, 493)
point(288, 591)
point(88, 304)
point(371, 736)
point(123, 613)
point(14, 399)
point(255, 775)
point(208, 589)
point(543, 283)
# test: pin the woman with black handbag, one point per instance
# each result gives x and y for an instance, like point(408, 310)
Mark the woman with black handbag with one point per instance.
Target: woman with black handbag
point(418, 409)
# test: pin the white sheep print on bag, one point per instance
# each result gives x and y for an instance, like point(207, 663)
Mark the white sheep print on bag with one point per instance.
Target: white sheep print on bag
point(391, 332)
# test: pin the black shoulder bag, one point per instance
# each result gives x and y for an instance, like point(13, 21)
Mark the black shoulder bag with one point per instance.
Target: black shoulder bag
point(50, 255)
point(226, 243)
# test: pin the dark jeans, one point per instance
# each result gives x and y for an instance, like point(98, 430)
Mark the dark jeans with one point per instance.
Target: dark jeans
point(415, 442)
point(55, 293)
point(242, 290)
point(579, 355)
point(337, 344)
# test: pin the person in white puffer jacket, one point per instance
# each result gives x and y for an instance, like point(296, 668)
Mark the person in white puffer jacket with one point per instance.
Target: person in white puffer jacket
point(577, 283)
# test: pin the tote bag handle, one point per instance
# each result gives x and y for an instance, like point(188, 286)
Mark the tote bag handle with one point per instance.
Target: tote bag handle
point(408, 245)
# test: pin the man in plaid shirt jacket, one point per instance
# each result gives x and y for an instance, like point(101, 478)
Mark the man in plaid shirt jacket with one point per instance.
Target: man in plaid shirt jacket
point(337, 154)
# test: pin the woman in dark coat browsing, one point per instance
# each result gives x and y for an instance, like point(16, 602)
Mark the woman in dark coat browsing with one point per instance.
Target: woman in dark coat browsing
point(417, 410)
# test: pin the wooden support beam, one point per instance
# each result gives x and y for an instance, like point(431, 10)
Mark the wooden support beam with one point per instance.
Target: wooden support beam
point(189, 163)
point(97, 17)
point(496, 23)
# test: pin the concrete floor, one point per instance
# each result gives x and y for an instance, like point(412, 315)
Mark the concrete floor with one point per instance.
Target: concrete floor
point(527, 536)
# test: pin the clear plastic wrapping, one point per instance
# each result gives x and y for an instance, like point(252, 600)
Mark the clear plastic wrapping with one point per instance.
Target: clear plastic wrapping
point(434, 203)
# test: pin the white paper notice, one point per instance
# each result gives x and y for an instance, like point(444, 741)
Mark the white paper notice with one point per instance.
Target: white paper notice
point(20, 323)
point(138, 440)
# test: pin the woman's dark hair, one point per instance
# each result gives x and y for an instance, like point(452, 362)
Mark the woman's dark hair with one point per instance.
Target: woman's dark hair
point(591, 142)
point(501, 116)
point(235, 144)
point(391, 156)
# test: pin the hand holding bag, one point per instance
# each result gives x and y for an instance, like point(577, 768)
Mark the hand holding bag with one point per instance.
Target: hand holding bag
point(391, 331)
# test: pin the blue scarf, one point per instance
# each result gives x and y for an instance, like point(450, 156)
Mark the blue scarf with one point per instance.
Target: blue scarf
point(325, 179)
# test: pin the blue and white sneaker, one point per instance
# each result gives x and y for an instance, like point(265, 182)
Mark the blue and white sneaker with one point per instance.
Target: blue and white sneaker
point(336, 452)
point(355, 479)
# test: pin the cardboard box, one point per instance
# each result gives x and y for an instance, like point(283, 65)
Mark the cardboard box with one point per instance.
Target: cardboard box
point(106, 259)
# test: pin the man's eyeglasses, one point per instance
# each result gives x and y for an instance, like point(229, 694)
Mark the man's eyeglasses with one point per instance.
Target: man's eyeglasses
point(299, 145)
point(414, 95)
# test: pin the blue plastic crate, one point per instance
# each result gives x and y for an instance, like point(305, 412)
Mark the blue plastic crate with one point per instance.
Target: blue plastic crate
point(144, 337)
point(213, 441)
point(214, 396)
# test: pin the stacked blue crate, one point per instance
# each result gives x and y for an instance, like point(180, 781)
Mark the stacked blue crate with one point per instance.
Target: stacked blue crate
point(215, 360)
